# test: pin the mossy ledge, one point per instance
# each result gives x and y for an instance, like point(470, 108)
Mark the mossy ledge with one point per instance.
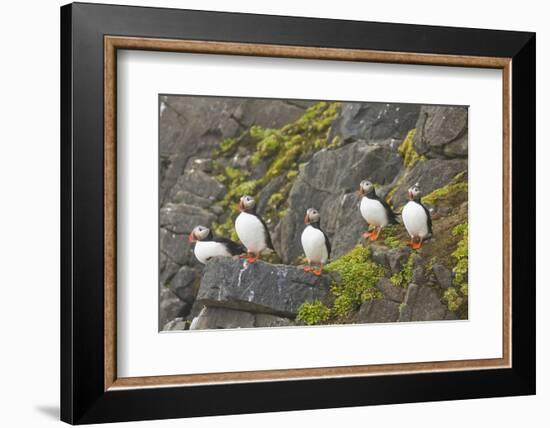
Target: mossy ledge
point(281, 151)
point(357, 277)
point(458, 184)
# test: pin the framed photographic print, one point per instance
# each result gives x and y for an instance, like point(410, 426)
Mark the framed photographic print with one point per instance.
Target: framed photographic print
point(265, 213)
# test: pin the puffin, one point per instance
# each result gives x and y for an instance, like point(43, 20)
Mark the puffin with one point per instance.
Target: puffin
point(208, 246)
point(374, 210)
point(252, 230)
point(315, 242)
point(416, 218)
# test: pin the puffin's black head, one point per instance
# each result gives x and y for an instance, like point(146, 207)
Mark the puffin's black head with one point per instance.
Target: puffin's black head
point(199, 233)
point(415, 193)
point(247, 203)
point(312, 216)
point(366, 188)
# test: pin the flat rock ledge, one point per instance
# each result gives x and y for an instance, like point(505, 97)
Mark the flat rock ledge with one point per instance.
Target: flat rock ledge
point(259, 287)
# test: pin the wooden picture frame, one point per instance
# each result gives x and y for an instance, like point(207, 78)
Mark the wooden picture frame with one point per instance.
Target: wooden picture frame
point(91, 390)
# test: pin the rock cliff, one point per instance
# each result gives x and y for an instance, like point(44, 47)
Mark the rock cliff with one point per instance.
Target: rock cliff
point(293, 155)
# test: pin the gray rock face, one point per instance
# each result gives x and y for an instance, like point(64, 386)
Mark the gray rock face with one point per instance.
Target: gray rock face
point(182, 218)
point(430, 174)
point(269, 113)
point(259, 287)
point(176, 324)
point(191, 128)
point(379, 311)
point(218, 318)
point(328, 183)
point(442, 131)
point(267, 320)
point(422, 303)
point(170, 306)
point(215, 318)
point(390, 291)
point(340, 170)
point(183, 284)
point(198, 184)
point(177, 249)
point(443, 276)
point(375, 121)
point(397, 257)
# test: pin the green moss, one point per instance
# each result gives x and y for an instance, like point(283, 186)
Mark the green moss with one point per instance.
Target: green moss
point(282, 213)
point(430, 265)
point(280, 150)
point(404, 277)
point(395, 187)
point(292, 174)
point(228, 145)
point(391, 240)
point(457, 295)
point(336, 142)
point(407, 151)
point(445, 191)
point(313, 313)
point(358, 278)
point(275, 199)
point(461, 255)
point(453, 299)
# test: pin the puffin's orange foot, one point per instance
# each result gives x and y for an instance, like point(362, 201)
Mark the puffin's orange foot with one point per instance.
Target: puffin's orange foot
point(251, 259)
point(307, 268)
point(374, 236)
point(317, 272)
point(416, 245)
point(367, 235)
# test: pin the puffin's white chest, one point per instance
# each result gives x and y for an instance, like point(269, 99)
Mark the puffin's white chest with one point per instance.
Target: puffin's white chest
point(373, 212)
point(205, 250)
point(415, 219)
point(313, 242)
point(251, 232)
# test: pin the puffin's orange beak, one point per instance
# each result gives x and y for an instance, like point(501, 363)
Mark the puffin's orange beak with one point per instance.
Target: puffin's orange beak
point(306, 219)
point(240, 206)
point(360, 191)
point(410, 196)
point(191, 237)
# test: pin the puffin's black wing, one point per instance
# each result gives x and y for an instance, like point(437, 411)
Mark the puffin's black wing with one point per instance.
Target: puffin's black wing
point(429, 217)
point(234, 248)
point(327, 242)
point(391, 215)
point(266, 231)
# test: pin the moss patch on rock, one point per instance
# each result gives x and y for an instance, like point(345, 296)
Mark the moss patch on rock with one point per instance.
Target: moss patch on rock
point(459, 184)
point(457, 296)
point(393, 236)
point(357, 277)
point(410, 158)
point(407, 151)
point(313, 313)
point(404, 277)
point(280, 151)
